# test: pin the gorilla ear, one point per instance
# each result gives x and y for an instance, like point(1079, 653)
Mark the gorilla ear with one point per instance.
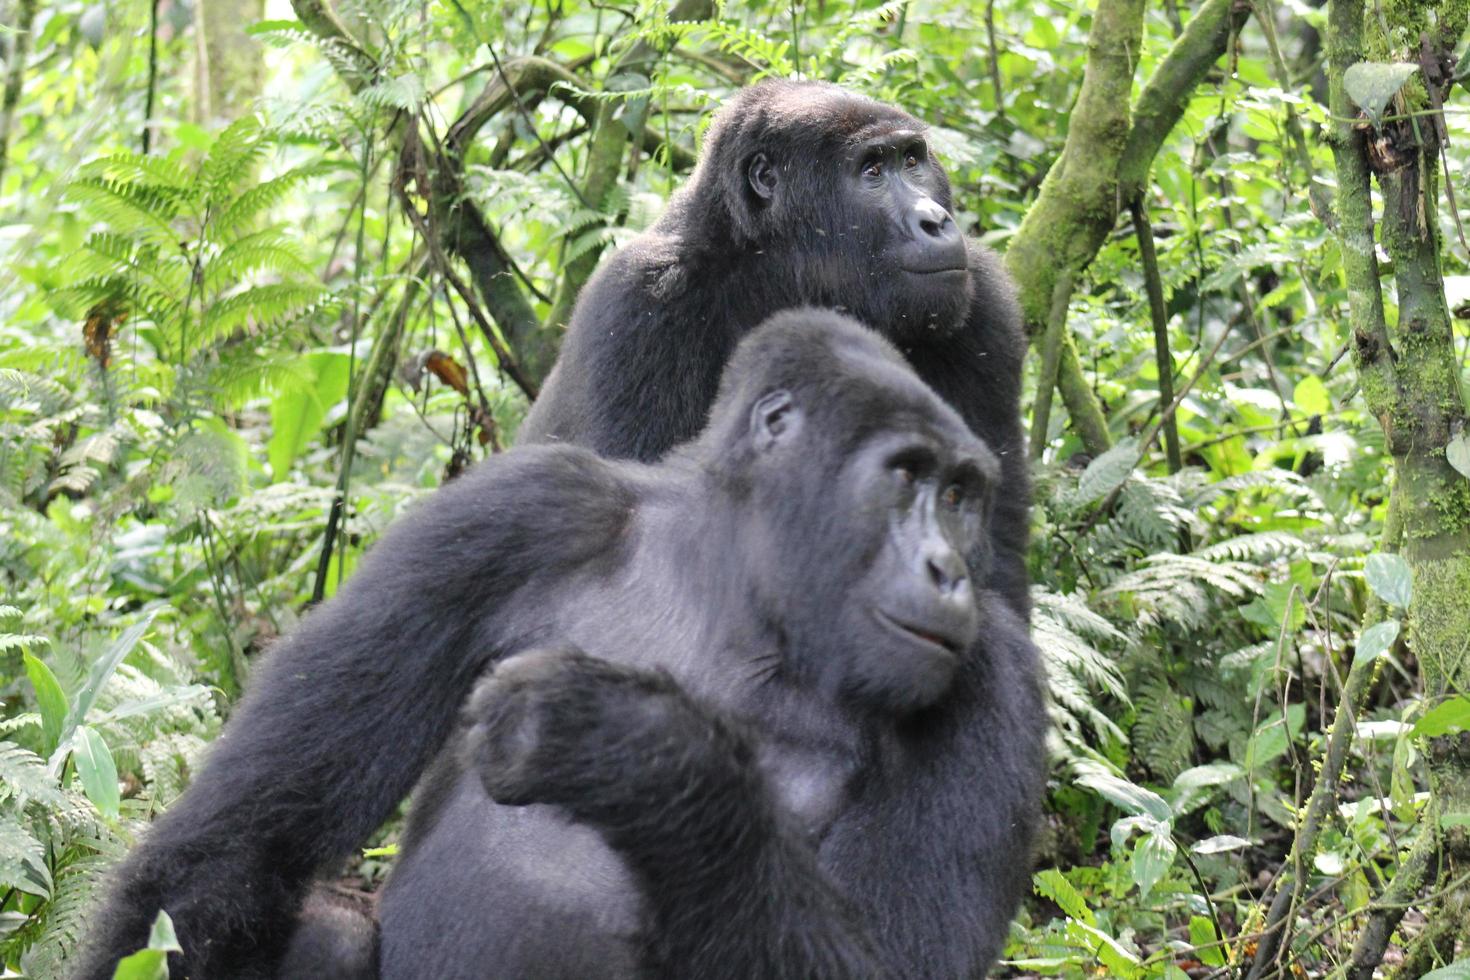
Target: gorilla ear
point(773, 419)
point(761, 176)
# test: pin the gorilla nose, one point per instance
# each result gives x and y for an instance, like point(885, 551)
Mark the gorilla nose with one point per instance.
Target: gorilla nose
point(947, 572)
point(935, 243)
point(933, 221)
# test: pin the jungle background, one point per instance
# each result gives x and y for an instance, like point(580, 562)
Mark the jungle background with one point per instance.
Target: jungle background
point(272, 271)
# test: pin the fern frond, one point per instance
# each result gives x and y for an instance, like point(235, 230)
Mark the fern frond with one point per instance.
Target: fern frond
point(23, 777)
point(134, 208)
point(259, 305)
point(262, 197)
point(268, 250)
point(405, 92)
point(1259, 547)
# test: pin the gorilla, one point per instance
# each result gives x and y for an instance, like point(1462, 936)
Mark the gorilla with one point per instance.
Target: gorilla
point(760, 718)
point(804, 194)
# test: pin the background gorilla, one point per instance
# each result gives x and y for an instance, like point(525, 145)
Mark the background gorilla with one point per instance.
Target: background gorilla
point(797, 574)
point(798, 571)
point(805, 193)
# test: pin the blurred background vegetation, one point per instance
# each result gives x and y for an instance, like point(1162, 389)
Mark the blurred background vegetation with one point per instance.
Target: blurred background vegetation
point(274, 270)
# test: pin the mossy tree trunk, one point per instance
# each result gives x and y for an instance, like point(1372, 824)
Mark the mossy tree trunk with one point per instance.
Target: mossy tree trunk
point(1410, 378)
point(1111, 143)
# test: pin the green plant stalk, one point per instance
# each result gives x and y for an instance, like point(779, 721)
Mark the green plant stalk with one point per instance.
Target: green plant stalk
point(1163, 360)
point(1051, 349)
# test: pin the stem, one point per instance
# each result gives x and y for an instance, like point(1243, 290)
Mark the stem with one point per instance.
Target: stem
point(20, 49)
point(1051, 348)
point(1159, 313)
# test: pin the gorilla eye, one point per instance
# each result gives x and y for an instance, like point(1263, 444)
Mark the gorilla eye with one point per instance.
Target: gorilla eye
point(911, 160)
point(953, 495)
point(873, 168)
point(905, 474)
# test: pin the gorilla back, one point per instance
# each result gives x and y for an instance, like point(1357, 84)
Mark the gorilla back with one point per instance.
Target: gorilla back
point(805, 194)
point(791, 754)
point(836, 773)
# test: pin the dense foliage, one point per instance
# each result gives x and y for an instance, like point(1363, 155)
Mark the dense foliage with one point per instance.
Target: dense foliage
point(264, 288)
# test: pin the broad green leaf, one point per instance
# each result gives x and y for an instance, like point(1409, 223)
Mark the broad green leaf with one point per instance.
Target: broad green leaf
point(1152, 857)
point(1311, 396)
point(1371, 84)
point(1376, 641)
point(146, 964)
point(297, 412)
point(1220, 844)
point(1458, 453)
point(1213, 774)
point(1272, 738)
point(1448, 716)
point(1121, 963)
point(151, 963)
point(51, 700)
point(1389, 577)
point(96, 770)
point(1458, 970)
point(105, 665)
point(1202, 935)
point(1127, 796)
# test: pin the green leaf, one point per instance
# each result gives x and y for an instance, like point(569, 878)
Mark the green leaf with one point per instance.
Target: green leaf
point(1311, 396)
point(1389, 577)
point(1106, 473)
point(1273, 737)
point(1152, 857)
point(1371, 84)
point(1458, 970)
point(103, 669)
point(1458, 453)
point(297, 413)
point(51, 699)
point(1376, 641)
point(1448, 716)
point(1053, 885)
point(96, 769)
point(1202, 937)
point(1127, 796)
point(1212, 774)
point(151, 963)
point(147, 964)
point(1220, 844)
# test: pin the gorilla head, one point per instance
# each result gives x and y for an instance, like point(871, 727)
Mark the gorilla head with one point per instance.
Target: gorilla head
point(822, 435)
point(840, 193)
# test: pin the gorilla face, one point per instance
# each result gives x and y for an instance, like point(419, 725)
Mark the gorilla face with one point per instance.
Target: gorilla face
point(911, 613)
point(843, 194)
point(862, 546)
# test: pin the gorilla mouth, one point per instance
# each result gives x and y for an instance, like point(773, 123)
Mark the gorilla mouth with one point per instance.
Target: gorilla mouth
point(936, 270)
point(932, 639)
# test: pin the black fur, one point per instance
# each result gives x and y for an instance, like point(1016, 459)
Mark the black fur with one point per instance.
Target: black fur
point(883, 784)
point(652, 330)
point(763, 785)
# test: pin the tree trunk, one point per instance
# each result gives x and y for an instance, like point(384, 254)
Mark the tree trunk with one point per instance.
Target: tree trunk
point(1410, 379)
point(232, 68)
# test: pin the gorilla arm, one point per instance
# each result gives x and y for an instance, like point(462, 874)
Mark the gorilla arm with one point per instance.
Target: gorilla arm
point(342, 718)
point(733, 890)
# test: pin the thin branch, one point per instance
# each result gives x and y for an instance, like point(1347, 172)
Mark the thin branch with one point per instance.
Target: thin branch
point(1158, 312)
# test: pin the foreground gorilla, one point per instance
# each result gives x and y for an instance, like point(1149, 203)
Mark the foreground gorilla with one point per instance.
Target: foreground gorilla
point(804, 193)
point(837, 776)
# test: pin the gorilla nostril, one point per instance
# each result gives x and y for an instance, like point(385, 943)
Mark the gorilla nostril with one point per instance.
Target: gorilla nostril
point(932, 227)
point(946, 572)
